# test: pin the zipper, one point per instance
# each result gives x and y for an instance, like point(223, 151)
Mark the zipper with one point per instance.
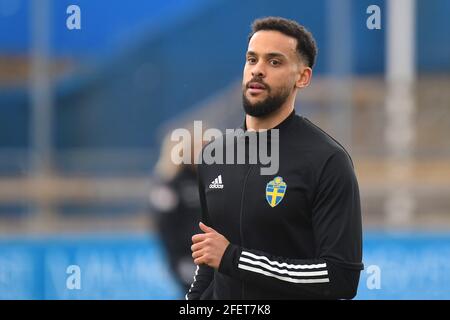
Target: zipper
point(240, 217)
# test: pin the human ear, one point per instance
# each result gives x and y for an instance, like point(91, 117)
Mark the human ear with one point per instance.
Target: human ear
point(304, 79)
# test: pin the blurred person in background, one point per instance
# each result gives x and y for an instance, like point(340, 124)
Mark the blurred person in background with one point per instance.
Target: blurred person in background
point(175, 202)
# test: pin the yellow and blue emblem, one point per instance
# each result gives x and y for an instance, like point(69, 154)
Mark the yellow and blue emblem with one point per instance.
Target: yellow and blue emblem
point(275, 191)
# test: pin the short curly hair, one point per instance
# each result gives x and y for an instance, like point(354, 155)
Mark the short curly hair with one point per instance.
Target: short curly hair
point(306, 44)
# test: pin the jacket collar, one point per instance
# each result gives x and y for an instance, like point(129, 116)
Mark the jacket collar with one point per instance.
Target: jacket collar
point(281, 126)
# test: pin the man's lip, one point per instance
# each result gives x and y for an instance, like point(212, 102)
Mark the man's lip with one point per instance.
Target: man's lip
point(256, 85)
point(254, 91)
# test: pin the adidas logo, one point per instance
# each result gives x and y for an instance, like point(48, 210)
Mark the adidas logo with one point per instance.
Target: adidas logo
point(217, 183)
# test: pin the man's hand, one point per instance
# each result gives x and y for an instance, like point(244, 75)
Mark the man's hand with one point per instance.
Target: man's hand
point(208, 248)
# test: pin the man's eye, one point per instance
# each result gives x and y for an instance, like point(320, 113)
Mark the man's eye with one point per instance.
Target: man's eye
point(275, 63)
point(251, 60)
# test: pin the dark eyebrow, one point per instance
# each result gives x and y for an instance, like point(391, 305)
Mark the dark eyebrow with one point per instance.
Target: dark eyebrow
point(268, 55)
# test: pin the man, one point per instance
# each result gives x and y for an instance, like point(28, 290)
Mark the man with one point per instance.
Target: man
point(175, 205)
point(293, 235)
point(176, 210)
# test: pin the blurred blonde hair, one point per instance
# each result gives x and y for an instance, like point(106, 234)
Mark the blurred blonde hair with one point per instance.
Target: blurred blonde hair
point(165, 168)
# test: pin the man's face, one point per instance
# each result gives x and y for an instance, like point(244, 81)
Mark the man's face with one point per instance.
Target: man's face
point(270, 73)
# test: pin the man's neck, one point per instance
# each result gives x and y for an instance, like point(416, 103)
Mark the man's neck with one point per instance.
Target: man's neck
point(270, 121)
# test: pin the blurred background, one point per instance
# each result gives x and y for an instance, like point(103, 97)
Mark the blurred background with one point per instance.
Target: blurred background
point(85, 116)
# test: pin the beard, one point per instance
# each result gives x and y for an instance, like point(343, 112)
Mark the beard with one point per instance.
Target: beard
point(267, 106)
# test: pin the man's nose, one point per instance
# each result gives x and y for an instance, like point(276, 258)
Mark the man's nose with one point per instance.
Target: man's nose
point(258, 71)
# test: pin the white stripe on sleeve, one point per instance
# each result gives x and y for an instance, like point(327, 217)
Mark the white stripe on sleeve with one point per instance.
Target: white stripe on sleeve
point(284, 265)
point(288, 279)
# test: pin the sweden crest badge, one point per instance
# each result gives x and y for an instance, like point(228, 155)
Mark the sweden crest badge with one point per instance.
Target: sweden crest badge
point(275, 191)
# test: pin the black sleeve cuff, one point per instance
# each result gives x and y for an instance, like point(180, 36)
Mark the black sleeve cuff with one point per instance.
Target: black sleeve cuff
point(230, 260)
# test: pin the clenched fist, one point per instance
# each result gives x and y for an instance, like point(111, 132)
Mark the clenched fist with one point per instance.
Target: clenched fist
point(208, 248)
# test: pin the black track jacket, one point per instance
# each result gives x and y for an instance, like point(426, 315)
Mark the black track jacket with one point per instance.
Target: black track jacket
point(294, 235)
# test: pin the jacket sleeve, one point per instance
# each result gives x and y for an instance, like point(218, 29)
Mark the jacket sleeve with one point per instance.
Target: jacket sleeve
point(336, 220)
point(204, 274)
